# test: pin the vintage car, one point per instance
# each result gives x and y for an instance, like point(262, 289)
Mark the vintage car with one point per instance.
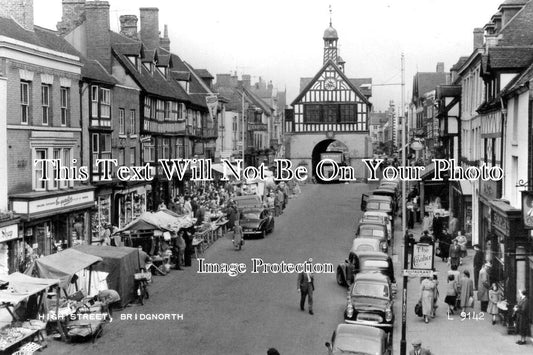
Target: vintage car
point(378, 203)
point(384, 217)
point(358, 339)
point(257, 221)
point(370, 301)
point(365, 261)
point(254, 218)
point(365, 244)
point(374, 229)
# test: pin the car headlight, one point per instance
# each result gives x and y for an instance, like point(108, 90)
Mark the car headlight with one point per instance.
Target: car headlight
point(388, 315)
point(384, 246)
point(349, 310)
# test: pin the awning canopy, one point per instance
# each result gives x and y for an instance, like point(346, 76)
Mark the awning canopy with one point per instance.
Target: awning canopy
point(163, 219)
point(466, 187)
point(23, 286)
point(64, 265)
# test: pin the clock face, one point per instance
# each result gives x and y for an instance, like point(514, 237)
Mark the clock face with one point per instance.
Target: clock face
point(330, 84)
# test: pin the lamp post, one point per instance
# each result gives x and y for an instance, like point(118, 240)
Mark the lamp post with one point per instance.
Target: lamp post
point(403, 342)
point(242, 129)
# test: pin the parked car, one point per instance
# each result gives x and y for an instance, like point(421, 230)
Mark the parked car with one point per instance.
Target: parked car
point(378, 203)
point(365, 262)
point(374, 229)
point(257, 221)
point(389, 192)
point(358, 339)
point(384, 218)
point(370, 301)
point(365, 244)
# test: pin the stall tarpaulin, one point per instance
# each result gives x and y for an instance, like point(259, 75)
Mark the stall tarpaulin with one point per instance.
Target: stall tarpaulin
point(63, 265)
point(172, 221)
point(22, 286)
point(121, 263)
point(146, 221)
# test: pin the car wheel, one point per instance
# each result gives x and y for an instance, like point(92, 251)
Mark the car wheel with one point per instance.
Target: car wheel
point(271, 228)
point(340, 278)
point(263, 234)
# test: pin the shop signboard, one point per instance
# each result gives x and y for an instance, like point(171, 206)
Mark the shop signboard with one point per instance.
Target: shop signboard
point(527, 209)
point(9, 233)
point(423, 257)
point(54, 203)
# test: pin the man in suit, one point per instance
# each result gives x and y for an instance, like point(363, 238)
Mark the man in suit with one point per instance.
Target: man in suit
point(418, 349)
point(483, 287)
point(306, 286)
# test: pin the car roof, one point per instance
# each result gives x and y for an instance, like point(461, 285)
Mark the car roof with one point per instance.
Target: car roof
point(360, 330)
point(364, 240)
point(373, 255)
point(359, 338)
point(371, 276)
point(380, 198)
point(376, 213)
point(372, 224)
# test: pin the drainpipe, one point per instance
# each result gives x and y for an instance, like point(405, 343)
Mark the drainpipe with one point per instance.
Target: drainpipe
point(502, 150)
point(80, 89)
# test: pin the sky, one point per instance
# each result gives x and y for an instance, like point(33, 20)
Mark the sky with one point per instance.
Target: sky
point(281, 40)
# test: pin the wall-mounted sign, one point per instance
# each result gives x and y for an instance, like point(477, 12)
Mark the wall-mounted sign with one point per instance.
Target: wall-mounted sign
point(9, 232)
point(527, 209)
point(53, 203)
point(422, 257)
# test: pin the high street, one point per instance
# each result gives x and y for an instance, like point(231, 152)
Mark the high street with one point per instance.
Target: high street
point(248, 313)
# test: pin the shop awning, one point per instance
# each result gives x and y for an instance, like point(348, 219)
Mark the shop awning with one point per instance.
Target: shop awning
point(64, 265)
point(466, 187)
point(23, 286)
point(428, 172)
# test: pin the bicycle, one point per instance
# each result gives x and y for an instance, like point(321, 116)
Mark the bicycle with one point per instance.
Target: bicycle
point(141, 286)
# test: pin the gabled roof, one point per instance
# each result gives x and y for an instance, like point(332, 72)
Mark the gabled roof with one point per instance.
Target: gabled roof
point(150, 55)
point(426, 82)
point(154, 83)
point(459, 64)
point(363, 84)
point(519, 82)
point(133, 48)
point(181, 75)
point(40, 36)
point(340, 73)
point(258, 101)
point(93, 70)
point(204, 74)
point(163, 60)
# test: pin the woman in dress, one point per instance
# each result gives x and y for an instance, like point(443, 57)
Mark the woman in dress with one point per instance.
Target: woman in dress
point(467, 291)
point(522, 318)
point(495, 296)
point(461, 240)
point(427, 289)
point(451, 293)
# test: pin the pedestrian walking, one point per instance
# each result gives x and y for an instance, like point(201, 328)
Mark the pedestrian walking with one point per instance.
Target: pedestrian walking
point(427, 289)
point(436, 294)
point(455, 254)
point(418, 349)
point(444, 245)
point(238, 240)
point(522, 317)
point(461, 240)
point(451, 293)
point(483, 287)
point(466, 299)
point(427, 222)
point(306, 286)
point(495, 296)
point(180, 243)
point(453, 225)
point(479, 261)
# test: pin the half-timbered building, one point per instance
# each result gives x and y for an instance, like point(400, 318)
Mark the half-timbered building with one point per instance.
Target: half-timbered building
point(330, 113)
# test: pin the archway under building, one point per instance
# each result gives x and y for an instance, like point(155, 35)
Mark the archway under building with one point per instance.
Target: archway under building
point(331, 149)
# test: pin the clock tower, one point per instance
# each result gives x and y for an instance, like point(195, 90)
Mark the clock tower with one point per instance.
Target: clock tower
point(330, 44)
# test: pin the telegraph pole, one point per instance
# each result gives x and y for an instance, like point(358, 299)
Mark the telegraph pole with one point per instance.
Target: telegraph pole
point(403, 343)
point(242, 129)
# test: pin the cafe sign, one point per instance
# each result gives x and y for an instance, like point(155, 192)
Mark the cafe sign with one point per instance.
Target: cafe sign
point(422, 257)
point(8, 233)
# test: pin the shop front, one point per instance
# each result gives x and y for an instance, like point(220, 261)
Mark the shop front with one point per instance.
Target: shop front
point(54, 220)
point(507, 249)
point(10, 245)
point(461, 205)
point(488, 192)
point(130, 203)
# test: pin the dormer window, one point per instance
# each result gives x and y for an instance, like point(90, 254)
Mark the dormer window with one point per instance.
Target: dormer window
point(163, 71)
point(133, 60)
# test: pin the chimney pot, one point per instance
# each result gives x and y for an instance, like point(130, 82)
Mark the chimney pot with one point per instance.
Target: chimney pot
point(97, 32)
point(440, 67)
point(150, 27)
point(128, 26)
point(20, 10)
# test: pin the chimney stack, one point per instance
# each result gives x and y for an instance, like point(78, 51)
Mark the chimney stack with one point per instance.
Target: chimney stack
point(128, 26)
point(478, 38)
point(164, 42)
point(440, 67)
point(246, 80)
point(20, 10)
point(97, 32)
point(73, 16)
point(150, 27)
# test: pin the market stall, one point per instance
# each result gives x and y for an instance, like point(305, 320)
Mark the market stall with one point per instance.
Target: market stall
point(120, 264)
point(24, 297)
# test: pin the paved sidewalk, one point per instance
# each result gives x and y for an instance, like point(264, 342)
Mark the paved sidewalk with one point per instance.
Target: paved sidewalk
point(455, 334)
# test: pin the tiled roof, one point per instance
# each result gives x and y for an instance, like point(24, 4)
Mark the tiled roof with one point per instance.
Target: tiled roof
point(194, 86)
point(204, 74)
point(357, 82)
point(426, 82)
point(93, 70)
point(448, 91)
point(509, 57)
point(163, 60)
point(150, 55)
point(40, 36)
point(517, 32)
point(259, 102)
point(459, 64)
point(181, 75)
point(513, 2)
point(377, 118)
point(520, 81)
point(134, 48)
point(154, 83)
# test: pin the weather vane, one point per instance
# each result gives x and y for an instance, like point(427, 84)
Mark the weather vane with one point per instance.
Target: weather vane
point(330, 15)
